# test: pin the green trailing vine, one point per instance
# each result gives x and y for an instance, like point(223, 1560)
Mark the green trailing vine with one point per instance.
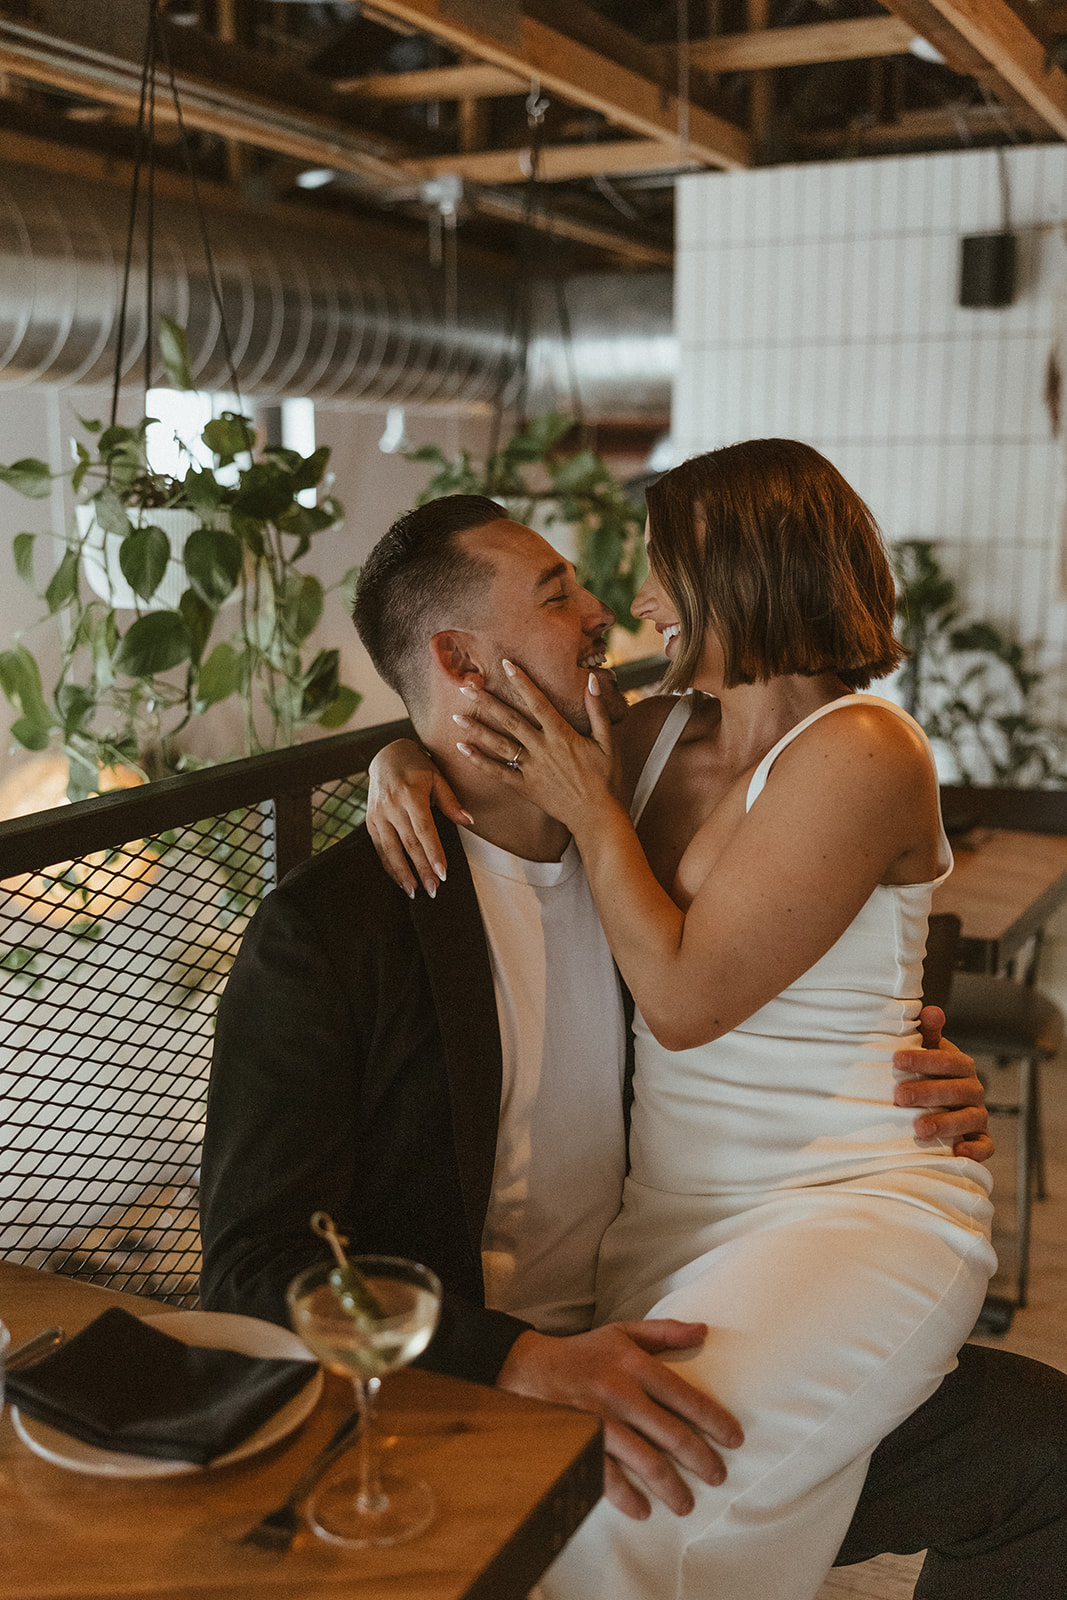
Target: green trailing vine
point(969, 686)
point(131, 680)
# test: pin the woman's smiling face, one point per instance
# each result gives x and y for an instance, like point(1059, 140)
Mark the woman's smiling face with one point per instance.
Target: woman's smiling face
point(652, 603)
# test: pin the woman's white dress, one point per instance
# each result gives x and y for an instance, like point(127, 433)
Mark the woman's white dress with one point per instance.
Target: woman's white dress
point(777, 1194)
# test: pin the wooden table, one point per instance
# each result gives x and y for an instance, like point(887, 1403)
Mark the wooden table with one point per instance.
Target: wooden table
point(513, 1479)
point(1004, 888)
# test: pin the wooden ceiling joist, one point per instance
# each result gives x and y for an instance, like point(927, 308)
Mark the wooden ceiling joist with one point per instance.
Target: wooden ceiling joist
point(857, 40)
point(629, 247)
point(46, 156)
point(915, 129)
point(556, 163)
point(991, 31)
point(574, 72)
point(475, 81)
point(210, 108)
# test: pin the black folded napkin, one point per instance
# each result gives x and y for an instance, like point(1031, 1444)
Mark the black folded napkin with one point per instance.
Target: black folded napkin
point(122, 1385)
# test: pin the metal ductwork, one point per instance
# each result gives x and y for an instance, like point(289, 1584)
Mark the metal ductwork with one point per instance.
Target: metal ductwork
point(306, 315)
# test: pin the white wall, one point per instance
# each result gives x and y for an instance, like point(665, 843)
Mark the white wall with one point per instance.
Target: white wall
point(819, 302)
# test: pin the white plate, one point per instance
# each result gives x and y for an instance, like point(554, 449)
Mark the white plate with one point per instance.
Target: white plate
point(213, 1330)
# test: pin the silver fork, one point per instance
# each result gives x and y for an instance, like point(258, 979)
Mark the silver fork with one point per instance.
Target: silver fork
point(278, 1529)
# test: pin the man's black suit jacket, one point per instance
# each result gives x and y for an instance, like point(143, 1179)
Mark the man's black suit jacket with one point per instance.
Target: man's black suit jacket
point(357, 1070)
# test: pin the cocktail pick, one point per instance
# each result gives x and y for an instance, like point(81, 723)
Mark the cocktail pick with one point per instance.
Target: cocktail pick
point(346, 1281)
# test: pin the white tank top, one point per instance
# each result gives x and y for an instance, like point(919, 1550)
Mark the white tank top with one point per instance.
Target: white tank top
point(802, 1091)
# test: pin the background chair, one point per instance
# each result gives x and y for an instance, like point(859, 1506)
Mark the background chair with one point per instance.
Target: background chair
point(1007, 1021)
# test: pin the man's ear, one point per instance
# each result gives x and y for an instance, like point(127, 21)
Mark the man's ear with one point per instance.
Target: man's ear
point(455, 655)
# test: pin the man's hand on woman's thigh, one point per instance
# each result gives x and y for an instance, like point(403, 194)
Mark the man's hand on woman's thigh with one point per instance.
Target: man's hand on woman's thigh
point(654, 1422)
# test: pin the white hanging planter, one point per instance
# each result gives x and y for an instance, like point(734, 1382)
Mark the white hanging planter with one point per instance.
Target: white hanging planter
point(100, 556)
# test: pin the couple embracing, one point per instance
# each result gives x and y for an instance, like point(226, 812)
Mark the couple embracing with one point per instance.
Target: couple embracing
point(778, 1301)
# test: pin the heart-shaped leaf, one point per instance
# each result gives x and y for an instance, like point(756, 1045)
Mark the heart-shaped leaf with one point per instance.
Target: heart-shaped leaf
point(143, 557)
point(213, 563)
point(29, 476)
point(154, 644)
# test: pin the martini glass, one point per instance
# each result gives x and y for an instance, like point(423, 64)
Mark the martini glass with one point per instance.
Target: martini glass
point(375, 1507)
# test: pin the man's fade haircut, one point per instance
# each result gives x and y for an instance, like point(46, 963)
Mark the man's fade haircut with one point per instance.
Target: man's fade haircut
point(416, 581)
point(768, 544)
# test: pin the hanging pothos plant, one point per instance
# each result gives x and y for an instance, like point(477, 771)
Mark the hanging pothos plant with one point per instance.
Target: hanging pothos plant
point(542, 482)
point(138, 663)
point(968, 685)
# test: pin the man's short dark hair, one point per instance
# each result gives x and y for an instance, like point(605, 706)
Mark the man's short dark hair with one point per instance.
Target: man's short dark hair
point(417, 581)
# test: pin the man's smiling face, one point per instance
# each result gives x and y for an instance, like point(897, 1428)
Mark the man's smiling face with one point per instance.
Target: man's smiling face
point(537, 615)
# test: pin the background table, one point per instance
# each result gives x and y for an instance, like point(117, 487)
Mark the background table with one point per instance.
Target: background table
point(1004, 887)
point(513, 1478)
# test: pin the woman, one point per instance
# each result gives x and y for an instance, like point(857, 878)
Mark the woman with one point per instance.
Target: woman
point(775, 1192)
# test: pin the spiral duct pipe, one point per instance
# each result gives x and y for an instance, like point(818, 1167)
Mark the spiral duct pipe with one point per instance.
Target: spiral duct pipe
point(306, 314)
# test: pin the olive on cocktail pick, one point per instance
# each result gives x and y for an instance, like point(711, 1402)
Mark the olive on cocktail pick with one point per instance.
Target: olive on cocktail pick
point(346, 1281)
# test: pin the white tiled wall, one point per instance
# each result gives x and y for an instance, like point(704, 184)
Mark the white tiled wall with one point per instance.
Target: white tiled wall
point(819, 302)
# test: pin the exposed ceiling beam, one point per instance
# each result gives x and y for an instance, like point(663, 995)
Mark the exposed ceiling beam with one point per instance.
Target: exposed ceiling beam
point(991, 31)
point(45, 155)
point(557, 163)
point(915, 128)
point(475, 81)
point(578, 20)
point(567, 68)
point(209, 107)
point(856, 40)
point(627, 246)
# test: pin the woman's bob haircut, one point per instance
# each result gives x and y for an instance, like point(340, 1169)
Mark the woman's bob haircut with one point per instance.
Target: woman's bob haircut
point(766, 543)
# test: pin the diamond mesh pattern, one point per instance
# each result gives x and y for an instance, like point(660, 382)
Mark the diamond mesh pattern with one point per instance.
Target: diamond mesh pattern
point(109, 977)
point(336, 809)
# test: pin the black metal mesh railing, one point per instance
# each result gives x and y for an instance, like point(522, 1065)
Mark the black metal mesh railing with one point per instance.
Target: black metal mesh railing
point(111, 969)
point(111, 962)
point(119, 920)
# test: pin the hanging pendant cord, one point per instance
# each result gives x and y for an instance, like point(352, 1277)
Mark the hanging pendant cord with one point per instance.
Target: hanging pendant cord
point(150, 200)
point(144, 150)
point(131, 222)
point(563, 316)
point(209, 259)
point(517, 322)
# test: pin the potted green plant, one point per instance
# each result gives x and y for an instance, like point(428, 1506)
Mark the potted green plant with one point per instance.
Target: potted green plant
point(970, 686)
point(150, 650)
point(543, 483)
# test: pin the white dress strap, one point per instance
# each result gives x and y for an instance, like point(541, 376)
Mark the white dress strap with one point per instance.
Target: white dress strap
point(759, 777)
point(659, 755)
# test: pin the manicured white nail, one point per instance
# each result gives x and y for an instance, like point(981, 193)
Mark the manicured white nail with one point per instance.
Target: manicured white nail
point(508, 668)
point(464, 722)
point(467, 689)
point(440, 871)
point(594, 683)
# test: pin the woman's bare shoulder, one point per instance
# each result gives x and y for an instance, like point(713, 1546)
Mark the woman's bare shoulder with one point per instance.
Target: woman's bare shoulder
point(860, 740)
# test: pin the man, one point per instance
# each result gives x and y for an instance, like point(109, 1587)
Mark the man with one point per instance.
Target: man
point(445, 1077)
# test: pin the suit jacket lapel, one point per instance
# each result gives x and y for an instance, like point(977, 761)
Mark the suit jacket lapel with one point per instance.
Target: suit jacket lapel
point(452, 939)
